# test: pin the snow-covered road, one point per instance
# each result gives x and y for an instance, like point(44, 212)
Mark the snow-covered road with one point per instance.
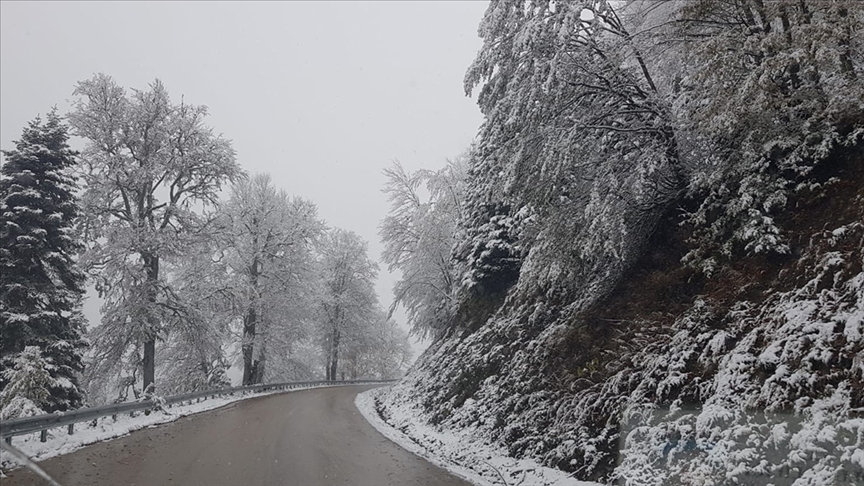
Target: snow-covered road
point(306, 438)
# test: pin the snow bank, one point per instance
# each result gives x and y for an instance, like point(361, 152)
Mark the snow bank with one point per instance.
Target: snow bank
point(464, 455)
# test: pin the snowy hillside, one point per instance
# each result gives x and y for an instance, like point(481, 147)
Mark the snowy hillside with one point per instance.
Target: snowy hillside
point(763, 383)
point(660, 256)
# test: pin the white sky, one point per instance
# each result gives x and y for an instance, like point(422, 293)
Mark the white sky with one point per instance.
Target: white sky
point(323, 95)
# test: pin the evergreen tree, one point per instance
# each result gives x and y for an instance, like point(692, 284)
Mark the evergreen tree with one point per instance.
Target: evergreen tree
point(28, 381)
point(40, 285)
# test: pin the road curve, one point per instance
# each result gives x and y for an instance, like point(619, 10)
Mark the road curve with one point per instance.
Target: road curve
point(306, 438)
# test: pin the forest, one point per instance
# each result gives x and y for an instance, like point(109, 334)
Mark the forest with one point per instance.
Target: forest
point(200, 265)
point(647, 269)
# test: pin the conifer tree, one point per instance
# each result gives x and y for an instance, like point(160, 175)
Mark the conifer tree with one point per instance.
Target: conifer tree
point(41, 287)
point(28, 381)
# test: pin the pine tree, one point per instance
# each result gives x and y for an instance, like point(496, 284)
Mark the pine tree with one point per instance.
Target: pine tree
point(28, 381)
point(41, 287)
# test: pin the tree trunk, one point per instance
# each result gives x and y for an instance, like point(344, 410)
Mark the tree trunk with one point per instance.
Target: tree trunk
point(248, 348)
point(258, 376)
point(333, 361)
point(328, 345)
point(151, 267)
point(149, 366)
point(249, 323)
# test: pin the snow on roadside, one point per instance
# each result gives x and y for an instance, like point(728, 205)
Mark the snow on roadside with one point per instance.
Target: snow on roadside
point(462, 455)
point(59, 442)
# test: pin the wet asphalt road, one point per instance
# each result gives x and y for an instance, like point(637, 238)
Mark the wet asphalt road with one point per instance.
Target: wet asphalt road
point(305, 438)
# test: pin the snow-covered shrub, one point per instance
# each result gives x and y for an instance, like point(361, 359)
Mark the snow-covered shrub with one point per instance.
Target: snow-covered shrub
point(20, 407)
point(490, 254)
point(28, 384)
point(773, 99)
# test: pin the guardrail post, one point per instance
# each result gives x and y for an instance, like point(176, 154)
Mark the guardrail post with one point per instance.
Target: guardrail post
point(43, 436)
point(71, 429)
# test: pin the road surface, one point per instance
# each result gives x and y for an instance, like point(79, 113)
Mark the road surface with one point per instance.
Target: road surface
point(305, 438)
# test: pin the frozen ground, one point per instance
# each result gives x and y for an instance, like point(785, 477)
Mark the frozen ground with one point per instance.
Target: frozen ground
point(59, 442)
point(461, 454)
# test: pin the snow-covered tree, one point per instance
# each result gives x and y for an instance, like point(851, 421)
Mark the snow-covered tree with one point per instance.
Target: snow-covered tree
point(772, 90)
point(268, 244)
point(29, 382)
point(148, 165)
point(193, 355)
point(601, 116)
point(418, 234)
point(381, 349)
point(614, 125)
point(41, 285)
point(577, 158)
point(348, 301)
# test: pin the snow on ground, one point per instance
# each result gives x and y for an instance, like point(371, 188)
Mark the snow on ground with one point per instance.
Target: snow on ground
point(59, 442)
point(461, 454)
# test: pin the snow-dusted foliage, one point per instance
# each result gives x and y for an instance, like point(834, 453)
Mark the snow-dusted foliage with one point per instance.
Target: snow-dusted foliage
point(266, 241)
point(759, 391)
point(418, 235)
point(147, 166)
point(378, 349)
point(577, 156)
point(28, 385)
point(40, 283)
point(20, 407)
point(784, 403)
point(193, 355)
point(348, 302)
point(660, 256)
point(770, 90)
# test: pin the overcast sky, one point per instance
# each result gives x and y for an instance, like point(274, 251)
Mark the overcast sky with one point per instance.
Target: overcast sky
point(322, 95)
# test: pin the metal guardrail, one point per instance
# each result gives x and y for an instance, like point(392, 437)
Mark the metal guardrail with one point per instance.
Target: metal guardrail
point(42, 423)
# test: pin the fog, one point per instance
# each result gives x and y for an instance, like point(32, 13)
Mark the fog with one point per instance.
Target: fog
point(322, 95)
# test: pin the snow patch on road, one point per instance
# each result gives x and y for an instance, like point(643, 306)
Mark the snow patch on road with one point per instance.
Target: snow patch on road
point(467, 457)
point(85, 433)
